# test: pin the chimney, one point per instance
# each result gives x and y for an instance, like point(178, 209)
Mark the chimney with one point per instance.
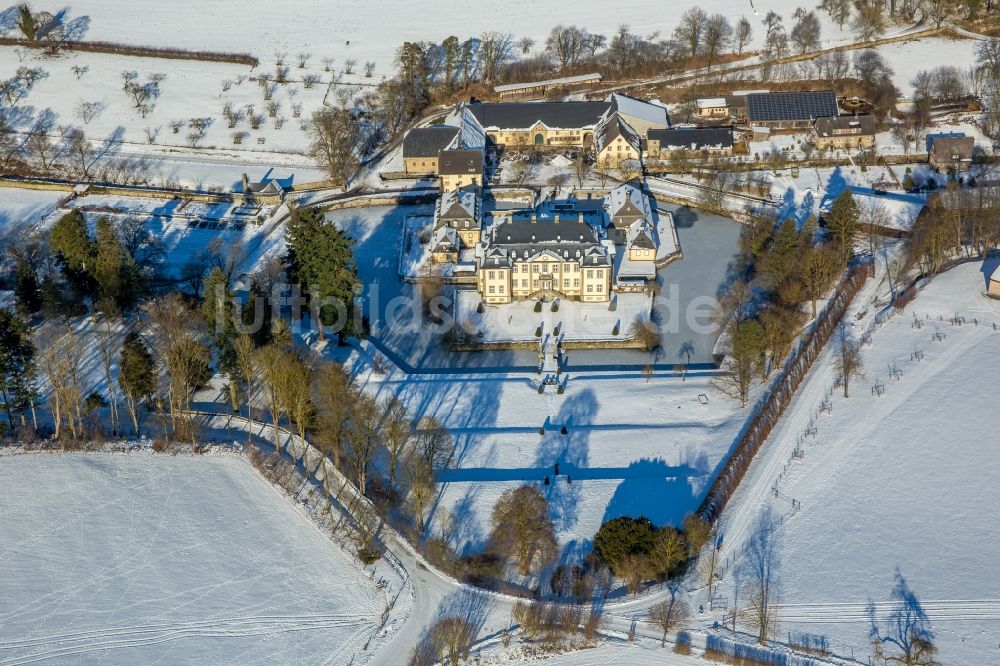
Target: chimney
point(246, 185)
point(555, 218)
point(579, 218)
point(534, 218)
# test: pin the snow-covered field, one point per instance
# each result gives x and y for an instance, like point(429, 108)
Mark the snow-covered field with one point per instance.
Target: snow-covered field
point(21, 210)
point(351, 29)
point(145, 558)
point(904, 480)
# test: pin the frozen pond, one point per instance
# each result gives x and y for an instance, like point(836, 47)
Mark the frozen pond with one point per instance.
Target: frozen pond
point(689, 287)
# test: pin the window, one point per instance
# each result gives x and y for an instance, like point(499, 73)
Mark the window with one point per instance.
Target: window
point(590, 288)
point(535, 284)
point(590, 274)
point(566, 282)
point(493, 275)
point(493, 290)
point(524, 283)
point(600, 287)
point(501, 289)
point(576, 282)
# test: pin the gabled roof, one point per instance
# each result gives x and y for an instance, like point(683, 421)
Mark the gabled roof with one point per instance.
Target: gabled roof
point(627, 202)
point(524, 115)
point(692, 138)
point(429, 141)
point(612, 128)
point(953, 148)
point(643, 241)
point(637, 108)
point(460, 162)
point(863, 125)
point(779, 106)
point(460, 204)
point(445, 240)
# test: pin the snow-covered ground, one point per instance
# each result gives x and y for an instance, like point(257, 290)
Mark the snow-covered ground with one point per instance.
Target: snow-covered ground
point(144, 558)
point(902, 480)
point(21, 210)
point(349, 29)
point(573, 320)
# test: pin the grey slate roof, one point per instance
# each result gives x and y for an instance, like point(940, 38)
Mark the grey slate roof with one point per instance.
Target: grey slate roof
point(692, 138)
point(778, 106)
point(459, 162)
point(523, 115)
point(428, 141)
point(863, 125)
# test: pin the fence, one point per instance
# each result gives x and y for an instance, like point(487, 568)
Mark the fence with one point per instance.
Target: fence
point(773, 404)
point(723, 649)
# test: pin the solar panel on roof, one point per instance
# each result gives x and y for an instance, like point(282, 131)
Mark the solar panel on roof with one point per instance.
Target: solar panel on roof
point(792, 106)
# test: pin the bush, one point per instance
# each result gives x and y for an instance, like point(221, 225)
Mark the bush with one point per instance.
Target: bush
point(563, 431)
point(623, 536)
point(369, 555)
point(617, 329)
point(560, 390)
point(541, 431)
point(479, 308)
point(538, 306)
point(538, 331)
point(555, 306)
point(541, 390)
point(613, 304)
point(908, 182)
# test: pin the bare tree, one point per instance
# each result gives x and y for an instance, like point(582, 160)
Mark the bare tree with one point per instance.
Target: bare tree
point(669, 614)
point(434, 443)
point(334, 142)
point(495, 51)
point(522, 528)
point(87, 111)
point(848, 364)
point(333, 396)
point(691, 30)
point(761, 584)
point(61, 361)
point(452, 637)
point(185, 358)
point(107, 343)
point(397, 431)
point(362, 437)
point(906, 638)
point(744, 34)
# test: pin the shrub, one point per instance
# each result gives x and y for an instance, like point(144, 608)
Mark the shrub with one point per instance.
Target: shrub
point(541, 431)
point(563, 431)
point(369, 555)
point(560, 390)
point(538, 331)
point(613, 304)
point(624, 536)
point(479, 308)
point(555, 306)
point(617, 329)
point(538, 306)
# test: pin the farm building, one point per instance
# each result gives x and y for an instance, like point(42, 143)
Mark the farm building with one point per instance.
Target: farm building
point(951, 152)
point(845, 132)
point(422, 146)
point(790, 110)
point(537, 89)
point(460, 168)
point(689, 140)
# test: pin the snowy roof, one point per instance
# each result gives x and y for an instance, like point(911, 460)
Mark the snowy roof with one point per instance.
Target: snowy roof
point(429, 141)
point(524, 115)
point(626, 201)
point(566, 80)
point(846, 125)
point(613, 127)
point(693, 138)
point(631, 107)
point(445, 240)
point(458, 204)
point(711, 102)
